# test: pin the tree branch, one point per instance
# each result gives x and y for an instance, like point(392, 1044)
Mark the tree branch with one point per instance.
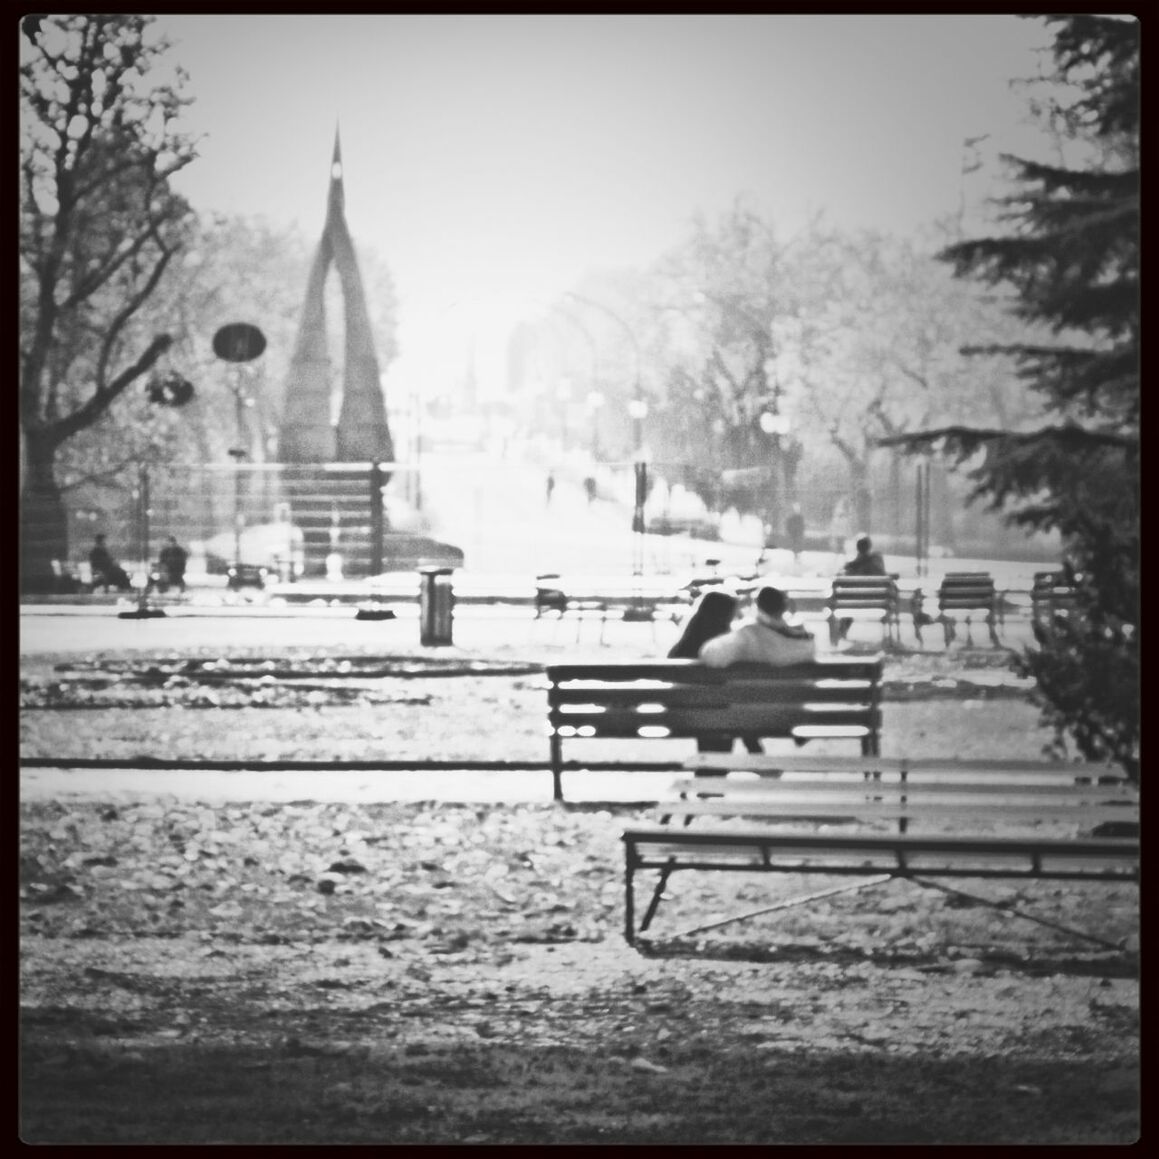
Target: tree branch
point(103, 396)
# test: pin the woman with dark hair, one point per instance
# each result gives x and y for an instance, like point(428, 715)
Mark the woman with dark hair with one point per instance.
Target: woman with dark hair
point(712, 617)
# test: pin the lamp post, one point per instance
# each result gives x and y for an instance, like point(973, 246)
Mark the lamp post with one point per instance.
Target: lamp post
point(775, 426)
point(565, 384)
point(638, 409)
point(238, 342)
point(637, 389)
point(595, 401)
point(238, 453)
point(141, 579)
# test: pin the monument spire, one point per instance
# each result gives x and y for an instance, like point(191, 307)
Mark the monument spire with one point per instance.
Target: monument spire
point(362, 435)
point(337, 202)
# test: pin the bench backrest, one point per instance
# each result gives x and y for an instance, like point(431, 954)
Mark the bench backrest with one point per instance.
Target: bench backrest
point(864, 591)
point(966, 590)
point(1051, 592)
point(683, 698)
point(931, 796)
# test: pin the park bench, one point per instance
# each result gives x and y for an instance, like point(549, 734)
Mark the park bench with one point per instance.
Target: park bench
point(1050, 596)
point(960, 594)
point(855, 597)
point(881, 819)
point(609, 597)
point(69, 579)
point(835, 697)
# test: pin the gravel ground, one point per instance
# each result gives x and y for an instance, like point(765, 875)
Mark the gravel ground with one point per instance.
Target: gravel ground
point(247, 968)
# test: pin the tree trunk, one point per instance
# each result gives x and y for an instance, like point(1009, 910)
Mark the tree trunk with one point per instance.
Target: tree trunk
point(43, 520)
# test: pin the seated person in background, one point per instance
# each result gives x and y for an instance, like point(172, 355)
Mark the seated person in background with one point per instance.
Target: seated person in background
point(107, 572)
point(865, 562)
point(712, 617)
point(173, 559)
point(764, 640)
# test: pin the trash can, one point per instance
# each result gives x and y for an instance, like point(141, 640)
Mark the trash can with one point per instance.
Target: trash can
point(436, 605)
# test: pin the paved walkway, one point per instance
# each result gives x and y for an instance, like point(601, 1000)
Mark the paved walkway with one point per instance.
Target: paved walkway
point(282, 787)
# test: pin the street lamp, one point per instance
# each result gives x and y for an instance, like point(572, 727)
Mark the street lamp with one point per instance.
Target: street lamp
point(563, 398)
point(595, 401)
point(637, 395)
point(564, 389)
point(638, 409)
point(238, 342)
point(238, 453)
point(775, 426)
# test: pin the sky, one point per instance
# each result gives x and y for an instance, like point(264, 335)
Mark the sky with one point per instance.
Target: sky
point(491, 160)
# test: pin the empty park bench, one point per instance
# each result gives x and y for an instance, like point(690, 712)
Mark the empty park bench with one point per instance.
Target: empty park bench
point(960, 594)
point(1050, 596)
point(855, 597)
point(882, 819)
point(608, 597)
point(836, 697)
point(71, 579)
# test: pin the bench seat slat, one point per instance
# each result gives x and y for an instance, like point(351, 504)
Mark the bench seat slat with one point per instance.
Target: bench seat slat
point(693, 672)
point(693, 722)
point(792, 762)
point(893, 810)
point(1067, 847)
point(916, 789)
point(789, 693)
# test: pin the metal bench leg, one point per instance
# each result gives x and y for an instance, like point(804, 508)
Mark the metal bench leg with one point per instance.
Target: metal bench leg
point(654, 904)
point(556, 767)
point(629, 893)
point(788, 903)
point(1002, 907)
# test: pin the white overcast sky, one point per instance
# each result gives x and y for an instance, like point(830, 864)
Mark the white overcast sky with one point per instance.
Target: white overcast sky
point(491, 160)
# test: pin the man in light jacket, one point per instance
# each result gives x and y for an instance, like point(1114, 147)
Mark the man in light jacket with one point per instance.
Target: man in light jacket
point(765, 640)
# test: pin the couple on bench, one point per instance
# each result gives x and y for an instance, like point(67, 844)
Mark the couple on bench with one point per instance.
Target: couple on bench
point(709, 636)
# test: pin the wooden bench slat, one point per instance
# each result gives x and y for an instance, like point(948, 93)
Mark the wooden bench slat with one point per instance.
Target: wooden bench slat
point(1076, 847)
point(1083, 816)
point(693, 672)
point(717, 698)
point(814, 721)
point(793, 762)
point(776, 789)
point(725, 715)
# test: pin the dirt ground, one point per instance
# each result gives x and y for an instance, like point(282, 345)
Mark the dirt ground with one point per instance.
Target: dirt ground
point(437, 972)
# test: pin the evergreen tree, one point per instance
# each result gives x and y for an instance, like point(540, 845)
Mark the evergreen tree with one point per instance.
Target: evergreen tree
point(1071, 257)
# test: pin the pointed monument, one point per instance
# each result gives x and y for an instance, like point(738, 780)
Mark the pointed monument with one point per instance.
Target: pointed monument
point(307, 435)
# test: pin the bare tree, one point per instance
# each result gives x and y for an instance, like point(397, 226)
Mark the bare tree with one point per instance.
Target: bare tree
point(99, 225)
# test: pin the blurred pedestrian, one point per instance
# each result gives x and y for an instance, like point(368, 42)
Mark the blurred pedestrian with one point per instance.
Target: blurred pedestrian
point(173, 560)
point(839, 530)
point(550, 486)
point(107, 573)
point(795, 529)
point(590, 488)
